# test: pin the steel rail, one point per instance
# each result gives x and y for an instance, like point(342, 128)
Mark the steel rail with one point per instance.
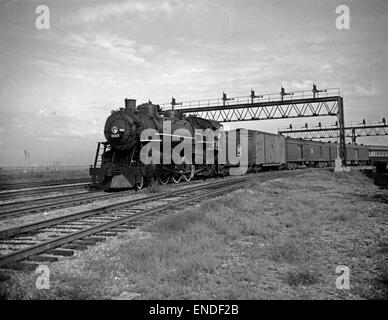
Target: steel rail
point(31, 201)
point(8, 233)
point(57, 204)
point(31, 184)
point(13, 193)
point(8, 204)
point(51, 244)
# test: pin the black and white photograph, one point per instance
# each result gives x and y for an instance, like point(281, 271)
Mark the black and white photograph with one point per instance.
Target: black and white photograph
point(199, 151)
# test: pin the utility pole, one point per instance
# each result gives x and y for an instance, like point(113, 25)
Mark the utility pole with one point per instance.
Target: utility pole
point(56, 164)
point(26, 160)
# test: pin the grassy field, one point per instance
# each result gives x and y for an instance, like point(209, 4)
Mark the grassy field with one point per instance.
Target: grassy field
point(281, 239)
point(8, 175)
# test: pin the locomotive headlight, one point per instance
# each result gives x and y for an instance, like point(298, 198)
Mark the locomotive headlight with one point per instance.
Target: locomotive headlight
point(114, 130)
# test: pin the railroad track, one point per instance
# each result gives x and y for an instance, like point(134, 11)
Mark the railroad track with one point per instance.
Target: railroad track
point(19, 208)
point(50, 239)
point(10, 194)
point(21, 185)
point(8, 210)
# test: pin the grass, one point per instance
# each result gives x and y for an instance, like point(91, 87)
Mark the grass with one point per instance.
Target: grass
point(267, 240)
point(18, 176)
point(301, 277)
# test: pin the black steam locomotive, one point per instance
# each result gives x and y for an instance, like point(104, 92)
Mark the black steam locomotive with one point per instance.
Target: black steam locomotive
point(118, 162)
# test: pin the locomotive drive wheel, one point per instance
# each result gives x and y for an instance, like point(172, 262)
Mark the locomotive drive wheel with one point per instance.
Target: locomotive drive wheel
point(176, 177)
point(164, 180)
point(188, 173)
point(140, 183)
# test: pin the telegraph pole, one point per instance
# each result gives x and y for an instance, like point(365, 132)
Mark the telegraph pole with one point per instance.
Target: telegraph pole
point(26, 160)
point(56, 164)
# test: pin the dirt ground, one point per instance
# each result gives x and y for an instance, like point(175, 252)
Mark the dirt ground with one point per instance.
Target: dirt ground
point(281, 239)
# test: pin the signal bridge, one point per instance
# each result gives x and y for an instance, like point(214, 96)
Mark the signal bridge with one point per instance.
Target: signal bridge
point(361, 129)
point(282, 105)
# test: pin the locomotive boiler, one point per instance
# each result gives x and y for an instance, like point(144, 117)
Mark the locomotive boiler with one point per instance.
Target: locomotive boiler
point(118, 163)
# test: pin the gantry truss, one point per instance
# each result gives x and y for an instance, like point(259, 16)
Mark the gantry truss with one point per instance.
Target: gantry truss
point(332, 132)
point(283, 105)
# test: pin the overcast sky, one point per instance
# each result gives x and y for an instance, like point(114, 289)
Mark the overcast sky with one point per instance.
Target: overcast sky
point(57, 86)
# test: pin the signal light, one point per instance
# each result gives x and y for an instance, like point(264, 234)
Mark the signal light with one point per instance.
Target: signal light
point(283, 93)
point(253, 95)
point(225, 98)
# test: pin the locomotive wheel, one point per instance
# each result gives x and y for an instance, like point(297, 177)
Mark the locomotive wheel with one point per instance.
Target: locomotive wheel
point(164, 180)
point(189, 174)
point(176, 178)
point(140, 184)
point(186, 176)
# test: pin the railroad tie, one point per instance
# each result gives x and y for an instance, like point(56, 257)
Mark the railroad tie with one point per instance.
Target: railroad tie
point(21, 266)
point(73, 246)
point(60, 252)
point(107, 234)
point(40, 258)
point(125, 227)
point(122, 229)
point(96, 239)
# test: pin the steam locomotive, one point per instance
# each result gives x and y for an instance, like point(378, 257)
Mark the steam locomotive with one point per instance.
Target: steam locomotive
point(118, 162)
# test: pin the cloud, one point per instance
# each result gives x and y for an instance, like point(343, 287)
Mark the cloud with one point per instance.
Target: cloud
point(366, 92)
point(88, 57)
point(107, 46)
point(103, 12)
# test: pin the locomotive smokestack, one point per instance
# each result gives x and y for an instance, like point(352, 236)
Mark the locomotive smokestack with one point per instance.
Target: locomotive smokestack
point(130, 104)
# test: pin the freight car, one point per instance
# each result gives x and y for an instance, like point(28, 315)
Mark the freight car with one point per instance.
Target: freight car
point(378, 156)
point(265, 150)
point(321, 154)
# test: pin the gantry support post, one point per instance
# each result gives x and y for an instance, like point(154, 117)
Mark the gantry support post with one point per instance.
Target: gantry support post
point(354, 137)
point(341, 127)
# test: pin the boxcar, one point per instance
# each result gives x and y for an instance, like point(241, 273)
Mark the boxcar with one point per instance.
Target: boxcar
point(264, 150)
point(308, 152)
point(356, 154)
point(294, 150)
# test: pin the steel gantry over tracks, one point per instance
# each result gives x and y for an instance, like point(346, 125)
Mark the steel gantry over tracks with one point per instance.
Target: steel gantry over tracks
point(352, 131)
point(282, 105)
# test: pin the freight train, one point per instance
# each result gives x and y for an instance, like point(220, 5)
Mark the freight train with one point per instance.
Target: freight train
point(128, 131)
